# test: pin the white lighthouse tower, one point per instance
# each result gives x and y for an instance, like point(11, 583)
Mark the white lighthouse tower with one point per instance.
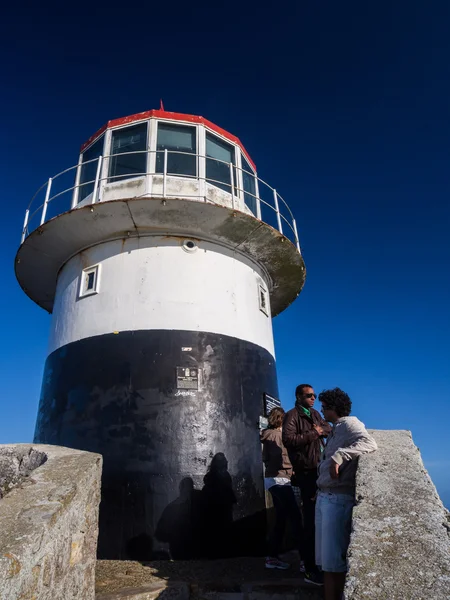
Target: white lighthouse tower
point(162, 257)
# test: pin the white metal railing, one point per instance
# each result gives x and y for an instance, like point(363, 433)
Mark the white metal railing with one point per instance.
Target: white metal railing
point(267, 204)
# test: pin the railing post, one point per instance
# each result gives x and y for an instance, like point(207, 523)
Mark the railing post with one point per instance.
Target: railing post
point(165, 173)
point(149, 175)
point(232, 184)
point(47, 196)
point(97, 175)
point(76, 189)
point(275, 198)
point(258, 201)
point(201, 173)
point(25, 225)
point(296, 235)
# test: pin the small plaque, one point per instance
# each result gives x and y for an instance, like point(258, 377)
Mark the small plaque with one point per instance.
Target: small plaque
point(187, 378)
point(269, 403)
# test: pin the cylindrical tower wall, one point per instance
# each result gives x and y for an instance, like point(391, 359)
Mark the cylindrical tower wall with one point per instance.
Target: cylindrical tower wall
point(160, 354)
point(162, 283)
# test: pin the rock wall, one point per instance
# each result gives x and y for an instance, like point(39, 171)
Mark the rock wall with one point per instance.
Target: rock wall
point(400, 544)
point(16, 463)
point(48, 522)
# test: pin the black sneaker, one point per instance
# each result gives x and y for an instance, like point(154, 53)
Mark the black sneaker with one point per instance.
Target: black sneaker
point(314, 577)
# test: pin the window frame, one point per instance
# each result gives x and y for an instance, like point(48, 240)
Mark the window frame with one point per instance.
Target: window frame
point(234, 189)
point(263, 299)
point(80, 167)
point(181, 124)
point(257, 212)
point(84, 291)
point(115, 179)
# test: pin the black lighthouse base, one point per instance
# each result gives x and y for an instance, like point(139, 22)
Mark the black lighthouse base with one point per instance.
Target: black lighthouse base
point(182, 466)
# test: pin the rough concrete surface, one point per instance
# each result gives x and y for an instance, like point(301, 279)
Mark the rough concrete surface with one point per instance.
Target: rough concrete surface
point(48, 523)
point(162, 590)
point(400, 544)
point(227, 579)
point(16, 463)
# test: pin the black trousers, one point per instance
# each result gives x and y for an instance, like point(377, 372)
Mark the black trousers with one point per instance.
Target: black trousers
point(307, 482)
point(286, 508)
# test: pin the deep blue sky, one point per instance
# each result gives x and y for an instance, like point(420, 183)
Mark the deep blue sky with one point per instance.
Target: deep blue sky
point(344, 107)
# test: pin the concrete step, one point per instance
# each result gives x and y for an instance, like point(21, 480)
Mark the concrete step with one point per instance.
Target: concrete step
point(150, 591)
point(230, 579)
point(183, 591)
point(282, 589)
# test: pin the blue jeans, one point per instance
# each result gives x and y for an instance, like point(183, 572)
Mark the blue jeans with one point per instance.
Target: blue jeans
point(333, 528)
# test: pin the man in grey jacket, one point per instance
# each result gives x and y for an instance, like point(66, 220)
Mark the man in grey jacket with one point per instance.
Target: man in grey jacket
point(336, 482)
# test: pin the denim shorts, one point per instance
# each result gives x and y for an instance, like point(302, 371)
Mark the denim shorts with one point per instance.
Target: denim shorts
point(333, 527)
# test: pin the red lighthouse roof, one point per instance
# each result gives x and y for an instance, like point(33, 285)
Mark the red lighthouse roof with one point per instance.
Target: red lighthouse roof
point(170, 116)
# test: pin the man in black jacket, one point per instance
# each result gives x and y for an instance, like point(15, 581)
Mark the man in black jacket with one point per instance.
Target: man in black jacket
point(303, 433)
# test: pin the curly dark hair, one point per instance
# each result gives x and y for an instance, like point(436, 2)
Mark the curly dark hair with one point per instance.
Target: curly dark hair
point(275, 418)
point(337, 400)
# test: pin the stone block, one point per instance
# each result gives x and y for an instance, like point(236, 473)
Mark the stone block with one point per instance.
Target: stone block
point(400, 544)
point(16, 464)
point(48, 522)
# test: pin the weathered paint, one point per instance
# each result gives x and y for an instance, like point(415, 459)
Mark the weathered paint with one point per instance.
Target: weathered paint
point(46, 250)
point(116, 394)
point(188, 188)
point(155, 283)
point(163, 115)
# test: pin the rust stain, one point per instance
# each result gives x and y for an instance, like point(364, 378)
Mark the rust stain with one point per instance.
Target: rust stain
point(47, 573)
point(27, 596)
point(181, 238)
point(84, 260)
point(15, 566)
point(76, 553)
point(36, 571)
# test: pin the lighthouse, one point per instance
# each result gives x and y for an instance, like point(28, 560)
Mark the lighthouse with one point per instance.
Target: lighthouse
point(162, 257)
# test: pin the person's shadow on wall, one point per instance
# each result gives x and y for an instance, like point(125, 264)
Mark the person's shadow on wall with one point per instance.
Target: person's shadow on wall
point(199, 524)
point(180, 522)
point(218, 500)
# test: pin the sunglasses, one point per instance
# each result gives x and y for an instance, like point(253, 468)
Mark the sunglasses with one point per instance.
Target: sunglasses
point(310, 396)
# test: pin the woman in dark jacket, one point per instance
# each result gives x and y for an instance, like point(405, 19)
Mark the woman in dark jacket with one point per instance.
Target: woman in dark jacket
point(277, 479)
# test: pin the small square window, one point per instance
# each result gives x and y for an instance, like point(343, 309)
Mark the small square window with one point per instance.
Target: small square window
point(263, 300)
point(90, 279)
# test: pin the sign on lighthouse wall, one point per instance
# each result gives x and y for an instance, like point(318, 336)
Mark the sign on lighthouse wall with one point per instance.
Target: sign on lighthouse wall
point(187, 378)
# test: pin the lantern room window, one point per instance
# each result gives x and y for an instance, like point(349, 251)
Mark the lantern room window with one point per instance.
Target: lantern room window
point(181, 143)
point(219, 155)
point(141, 150)
point(129, 152)
point(89, 168)
point(248, 179)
